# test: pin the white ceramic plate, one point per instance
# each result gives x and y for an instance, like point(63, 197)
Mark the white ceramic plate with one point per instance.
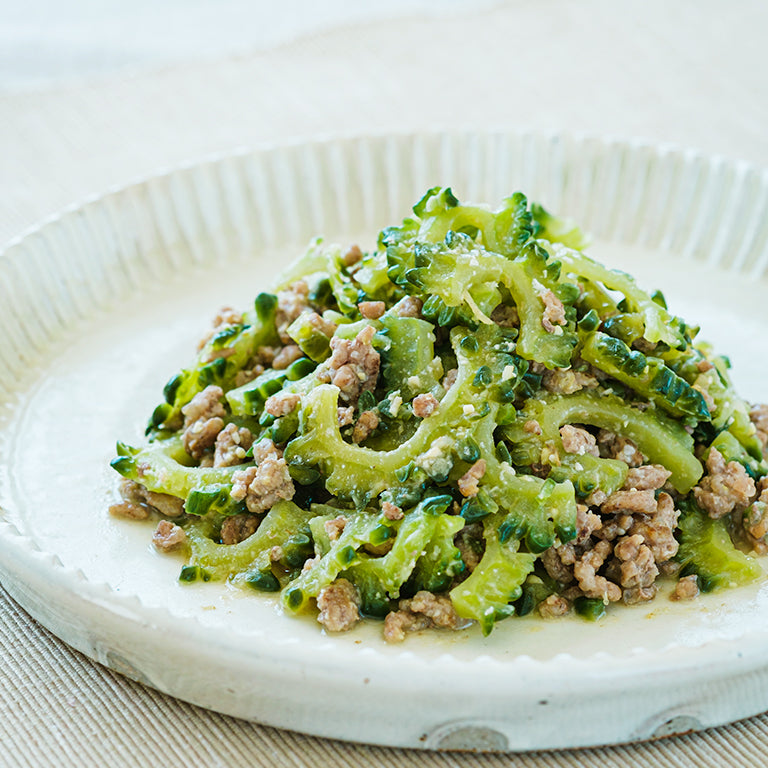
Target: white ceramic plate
point(102, 303)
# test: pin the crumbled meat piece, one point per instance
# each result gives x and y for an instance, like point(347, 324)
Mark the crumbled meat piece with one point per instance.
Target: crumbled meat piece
point(137, 495)
point(319, 323)
point(554, 311)
point(471, 545)
point(613, 446)
point(658, 529)
point(758, 415)
point(553, 607)
point(422, 611)
point(686, 588)
point(669, 568)
point(391, 511)
point(339, 605)
point(397, 623)
point(468, 482)
point(281, 403)
point(701, 386)
point(630, 501)
point(334, 528)
point(203, 420)
point(266, 355)
point(238, 528)
point(558, 562)
point(726, 486)
point(704, 366)
point(366, 424)
point(450, 378)
point(425, 405)
point(207, 460)
point(532, 427)
point(351, 256)
point(596, 498)
point(615, 526)
point(566, 382)
point(649, 477)
point(410, 306)
point(756, 519)
point(225, 316)
point(638, 567)
point(290, 353)
point(169, 537)
point(585, 570)
point(578, 441)
point(267, 483)
point(291, 302)
point(345, 416)
point(505, 316)
point(247, 375)
point(372, 310)
point(129, 510)
point(276, 553)
point(232, 443)
point(586, 523)
point(635, 595)
point(354, 365)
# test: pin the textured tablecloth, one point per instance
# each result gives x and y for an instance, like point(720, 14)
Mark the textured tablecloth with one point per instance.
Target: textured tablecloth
point(689, 73)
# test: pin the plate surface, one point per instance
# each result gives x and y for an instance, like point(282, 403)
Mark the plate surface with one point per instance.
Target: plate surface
point(102, 303)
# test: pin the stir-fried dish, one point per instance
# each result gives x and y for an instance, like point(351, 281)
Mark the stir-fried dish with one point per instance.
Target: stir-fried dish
point(472, 420)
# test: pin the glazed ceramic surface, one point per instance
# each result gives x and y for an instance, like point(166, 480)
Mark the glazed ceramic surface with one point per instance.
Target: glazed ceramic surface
point(101, 304)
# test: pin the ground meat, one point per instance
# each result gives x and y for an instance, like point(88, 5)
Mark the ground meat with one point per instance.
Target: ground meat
point(726, 486)
point(391, 511)
point(247, 375)
point(351, 256)
point(638, 567)
point(345, 416)
point(232, 443)
point(339, 605)
point(354, 365)
point(410, 306)
point(470, 543)
point(450, 378)
point(532, 427)
point(586, 524)
point(558, 562)
point(203, 420)
point(372, 310)
point(334, 528)
point(633, 501)
point(291, 302)
point(554, 311)
point(686, 588)
point(635, 595)
point(238, 528)
point(281, 403)
point(585, 570)
point(614, 526)
point(758, 415)
point(139, 502)
point(169, 537)
point(422, 611)
point(567, 382)
point(397, 623)
point(424, 405)
point(613, 446)
point(468, 482)
point(756, 519)
point(225, 316)
point(553, 607)
point(578, 441)
point(505, 316)
point(287, 355)
point(267, 483)
point(658, 529)
point(366, 424)
point(649, 477)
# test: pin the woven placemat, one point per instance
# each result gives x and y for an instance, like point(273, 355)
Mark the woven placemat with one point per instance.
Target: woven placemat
point(594, 67)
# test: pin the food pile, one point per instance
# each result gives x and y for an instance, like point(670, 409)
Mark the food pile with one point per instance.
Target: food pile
point(470, 421)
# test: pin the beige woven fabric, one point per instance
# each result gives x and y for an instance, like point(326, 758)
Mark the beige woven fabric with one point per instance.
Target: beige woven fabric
point(688, 73)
